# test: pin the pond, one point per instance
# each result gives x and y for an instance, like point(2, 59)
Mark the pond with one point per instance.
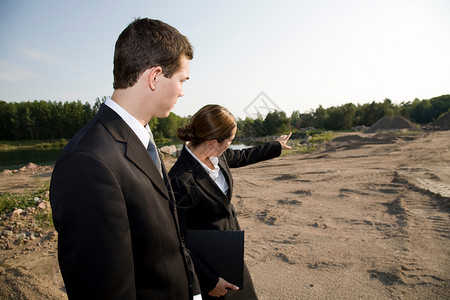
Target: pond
point(45, 157)
point(19, 158)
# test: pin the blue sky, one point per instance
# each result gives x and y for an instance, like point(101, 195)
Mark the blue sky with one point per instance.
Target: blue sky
point(299, 54)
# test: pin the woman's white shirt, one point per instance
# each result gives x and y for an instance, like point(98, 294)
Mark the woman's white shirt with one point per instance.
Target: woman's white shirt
point(215, 174)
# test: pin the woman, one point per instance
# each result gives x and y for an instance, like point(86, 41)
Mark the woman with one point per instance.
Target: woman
point(203, 186)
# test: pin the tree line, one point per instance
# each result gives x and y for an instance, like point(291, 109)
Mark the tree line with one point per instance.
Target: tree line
point(40, 120)
point(345, 116)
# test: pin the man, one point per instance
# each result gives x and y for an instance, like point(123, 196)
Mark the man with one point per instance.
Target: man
point(112, 203)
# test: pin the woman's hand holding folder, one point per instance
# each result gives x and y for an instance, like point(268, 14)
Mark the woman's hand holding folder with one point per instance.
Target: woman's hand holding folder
point(221, 288)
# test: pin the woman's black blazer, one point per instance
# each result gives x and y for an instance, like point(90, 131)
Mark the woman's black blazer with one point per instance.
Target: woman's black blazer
point(201, 204)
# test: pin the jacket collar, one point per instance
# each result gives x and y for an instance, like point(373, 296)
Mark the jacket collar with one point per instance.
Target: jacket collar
point(205, 181)
point(134, 149)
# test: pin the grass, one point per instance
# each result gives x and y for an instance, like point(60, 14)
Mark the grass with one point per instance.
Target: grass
point(317, 138)
point(51, 145)
point(10, 202)
point(44, 219)
point(307, 148)
point(32, 145)
point(323, 137)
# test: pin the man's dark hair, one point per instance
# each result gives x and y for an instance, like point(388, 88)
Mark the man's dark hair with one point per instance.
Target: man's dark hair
point(147, 43)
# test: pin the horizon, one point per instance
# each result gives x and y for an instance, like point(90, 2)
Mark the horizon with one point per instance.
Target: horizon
point(253, 116)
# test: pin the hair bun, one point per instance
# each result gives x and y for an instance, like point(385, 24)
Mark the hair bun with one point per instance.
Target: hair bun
point(186, 133)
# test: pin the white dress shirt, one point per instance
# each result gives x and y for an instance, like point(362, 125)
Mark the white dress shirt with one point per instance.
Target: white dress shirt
point(215, 174)
point(140, 130)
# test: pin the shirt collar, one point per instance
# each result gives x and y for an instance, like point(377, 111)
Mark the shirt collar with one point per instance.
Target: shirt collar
point(215, 161)
point(142, 132)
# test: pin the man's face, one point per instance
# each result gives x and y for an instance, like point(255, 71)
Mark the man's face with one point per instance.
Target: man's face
point(170, 89)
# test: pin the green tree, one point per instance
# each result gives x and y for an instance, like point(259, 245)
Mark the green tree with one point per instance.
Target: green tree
point(97, 104)
point(57, 122)
point(440, 105)
point(367, 114)
point(25, 121)
point(421, 111)
point(8, 122)
point(425, 111)
point(319, 117)
point(167, 127)
point(251, 127)
point(246, 127)
point(276, 122)
point(307, 119)
point(153, 124)
point(296, 120)
point(42, 116)
point(341, 117)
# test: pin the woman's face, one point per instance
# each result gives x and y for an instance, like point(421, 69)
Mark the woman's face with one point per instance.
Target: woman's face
point(219, 148)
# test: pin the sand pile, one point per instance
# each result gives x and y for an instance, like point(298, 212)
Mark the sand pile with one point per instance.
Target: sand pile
point(443, 123)
point(392, 123)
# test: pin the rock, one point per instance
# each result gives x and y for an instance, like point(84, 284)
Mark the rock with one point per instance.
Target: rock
point(359, 128)
point(7, 233)
point(43, 205)
point(7, 172)
point(169, 150)
point(21, 235)
point(306, 139)
point(16, 213)
point(31, 166)
point(51, 236)
point(304, 129)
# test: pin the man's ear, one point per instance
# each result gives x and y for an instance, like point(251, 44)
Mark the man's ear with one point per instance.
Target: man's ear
point(153, 75)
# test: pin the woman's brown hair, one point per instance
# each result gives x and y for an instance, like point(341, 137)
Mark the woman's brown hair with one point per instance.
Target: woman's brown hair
point(211, 122)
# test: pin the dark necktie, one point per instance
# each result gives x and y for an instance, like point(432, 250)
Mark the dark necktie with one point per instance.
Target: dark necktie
point(154, 154)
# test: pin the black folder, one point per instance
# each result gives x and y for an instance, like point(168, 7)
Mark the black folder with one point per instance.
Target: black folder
point(221, 251)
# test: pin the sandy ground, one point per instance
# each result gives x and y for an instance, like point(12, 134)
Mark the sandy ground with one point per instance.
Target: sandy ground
point(365, 217)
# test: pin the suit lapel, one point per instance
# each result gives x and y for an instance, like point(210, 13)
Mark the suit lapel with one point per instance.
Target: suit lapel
point(204, 181)
point(141, 158)
point(168, 184)
point(134, 149)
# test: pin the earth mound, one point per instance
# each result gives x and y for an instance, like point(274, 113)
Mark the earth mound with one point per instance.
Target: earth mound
point(443, 123)
point(392, 123)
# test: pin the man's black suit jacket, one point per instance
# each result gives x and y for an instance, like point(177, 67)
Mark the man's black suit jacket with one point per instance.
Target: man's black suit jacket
point(118, 233)
point(201, 204)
